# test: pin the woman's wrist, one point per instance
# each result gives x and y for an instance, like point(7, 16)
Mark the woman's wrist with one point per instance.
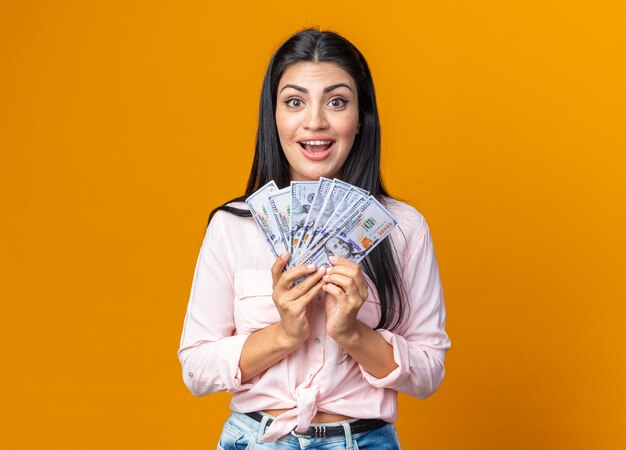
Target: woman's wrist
point(350, 337)
point(264, 348)
point(286, 341)
point(370, 350)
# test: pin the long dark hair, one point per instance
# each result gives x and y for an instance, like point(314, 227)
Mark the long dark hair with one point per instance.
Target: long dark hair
point(362, 166)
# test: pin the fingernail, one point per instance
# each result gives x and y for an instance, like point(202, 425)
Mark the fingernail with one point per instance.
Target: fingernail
point(325, 277)
point(311, 267)
point(285, 255)
point(329, 269)
point(332, 259)
point(321, 269)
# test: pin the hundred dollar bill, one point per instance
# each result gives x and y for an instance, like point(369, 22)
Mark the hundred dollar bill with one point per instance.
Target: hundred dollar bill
point(357, 235)
point(260, 209)
point(350, 201)
point(302, 194)
point(280, 203)
point(323, 187)
point(335, 194)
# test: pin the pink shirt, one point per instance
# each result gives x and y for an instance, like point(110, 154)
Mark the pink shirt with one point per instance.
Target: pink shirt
point(231, 297)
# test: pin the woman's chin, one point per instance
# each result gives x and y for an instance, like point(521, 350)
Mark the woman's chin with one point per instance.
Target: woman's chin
point(313, 175)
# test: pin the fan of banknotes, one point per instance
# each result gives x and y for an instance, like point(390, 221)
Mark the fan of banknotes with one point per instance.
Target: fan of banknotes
point(313, 220)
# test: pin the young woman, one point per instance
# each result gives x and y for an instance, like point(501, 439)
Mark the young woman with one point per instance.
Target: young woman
point(318, 364)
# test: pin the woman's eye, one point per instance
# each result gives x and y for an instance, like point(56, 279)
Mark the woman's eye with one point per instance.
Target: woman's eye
point(338, 102)
point(293, 102)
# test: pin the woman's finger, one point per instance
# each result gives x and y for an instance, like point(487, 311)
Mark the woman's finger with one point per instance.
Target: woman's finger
point(336, 292)
point(355, 274)
point(308, 297)
point(351, 272)
point(303, 287)
point(339, 261)
point(344, 282)
point(287, 278)
point(277, 268)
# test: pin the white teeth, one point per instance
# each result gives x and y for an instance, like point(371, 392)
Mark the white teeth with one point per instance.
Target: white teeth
point(316, 142)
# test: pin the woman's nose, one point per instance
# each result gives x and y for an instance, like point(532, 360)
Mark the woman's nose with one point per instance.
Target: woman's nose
point(315, 118)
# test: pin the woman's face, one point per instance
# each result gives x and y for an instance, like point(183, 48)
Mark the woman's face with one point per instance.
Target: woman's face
point(317, 115)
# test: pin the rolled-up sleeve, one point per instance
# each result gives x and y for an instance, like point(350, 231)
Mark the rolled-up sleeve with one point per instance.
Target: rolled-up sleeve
point(420, 342)
point(209, 350)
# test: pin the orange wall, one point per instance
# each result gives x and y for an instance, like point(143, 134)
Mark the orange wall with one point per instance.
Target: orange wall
point(122, 124)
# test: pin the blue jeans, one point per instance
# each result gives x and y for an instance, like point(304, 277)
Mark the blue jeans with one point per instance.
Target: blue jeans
point(241, 432)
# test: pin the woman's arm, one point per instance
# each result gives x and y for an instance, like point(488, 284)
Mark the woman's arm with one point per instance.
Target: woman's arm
point(369, 349)
point(346, 291)
point(212, 356)
point(419, 345)
point(209, 349)
point(266, 347)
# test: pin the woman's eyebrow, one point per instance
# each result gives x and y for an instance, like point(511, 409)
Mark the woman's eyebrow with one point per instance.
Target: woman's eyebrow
point(306, 91)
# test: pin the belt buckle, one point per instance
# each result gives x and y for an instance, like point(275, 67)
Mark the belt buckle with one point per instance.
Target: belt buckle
point(318, 432)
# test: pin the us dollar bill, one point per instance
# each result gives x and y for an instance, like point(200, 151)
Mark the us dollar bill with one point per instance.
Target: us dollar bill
point(280, 204)
point(259, 206)
point(358, 234)
point(302, 194)
point(321, 192)
point(353, 198)
point(335, 194)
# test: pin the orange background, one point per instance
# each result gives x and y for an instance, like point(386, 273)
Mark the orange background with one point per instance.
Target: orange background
point(122, 124)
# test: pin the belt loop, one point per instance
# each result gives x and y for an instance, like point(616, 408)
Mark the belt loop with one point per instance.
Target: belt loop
point(348, 433)
point(262, 425)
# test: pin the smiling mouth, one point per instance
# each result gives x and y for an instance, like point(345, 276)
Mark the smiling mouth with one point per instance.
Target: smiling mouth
point(315, 146)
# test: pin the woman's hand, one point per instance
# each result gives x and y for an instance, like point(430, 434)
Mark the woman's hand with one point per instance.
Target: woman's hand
point(346, 291)
point(292, 301)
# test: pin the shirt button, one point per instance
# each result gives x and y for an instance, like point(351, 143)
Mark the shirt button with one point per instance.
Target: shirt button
point(190, 374)
point(316, 341)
